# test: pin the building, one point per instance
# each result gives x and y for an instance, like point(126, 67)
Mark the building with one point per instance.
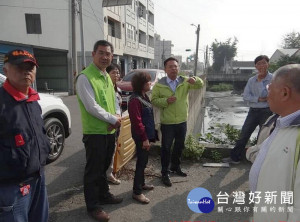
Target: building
point(284, 52)
point(162, 51)
point(131, 29)
point(45, 29)
point(239, 67)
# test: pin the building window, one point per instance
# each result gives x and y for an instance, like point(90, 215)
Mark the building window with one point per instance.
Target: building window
point(33, 23)
point(111, 28)
point(131, 32)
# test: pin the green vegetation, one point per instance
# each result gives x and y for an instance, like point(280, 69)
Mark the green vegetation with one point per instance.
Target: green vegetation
point(291, 40)
point(216, 156)
point(284, 60)
point(223, 51)
point(193, 149)
point(221, 87)
point(230, 133)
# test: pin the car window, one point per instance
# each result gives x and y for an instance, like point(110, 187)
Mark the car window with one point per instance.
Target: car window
point(129, 76)
point(161, 74)
point(2, 80)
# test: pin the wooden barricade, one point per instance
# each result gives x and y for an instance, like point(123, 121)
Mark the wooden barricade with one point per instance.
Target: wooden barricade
point(125, 145)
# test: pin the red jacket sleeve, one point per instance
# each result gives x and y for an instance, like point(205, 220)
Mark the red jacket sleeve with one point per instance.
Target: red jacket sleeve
point(135, 115)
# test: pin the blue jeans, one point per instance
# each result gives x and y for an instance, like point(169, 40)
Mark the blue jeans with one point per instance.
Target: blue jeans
point(141, 163)
point(32, 207)
point(171, 132)
point(256, 117)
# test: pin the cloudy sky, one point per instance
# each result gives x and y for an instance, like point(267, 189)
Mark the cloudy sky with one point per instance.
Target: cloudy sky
point(259, 25)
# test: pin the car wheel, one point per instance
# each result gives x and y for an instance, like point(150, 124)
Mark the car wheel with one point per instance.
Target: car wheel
point(56, 135)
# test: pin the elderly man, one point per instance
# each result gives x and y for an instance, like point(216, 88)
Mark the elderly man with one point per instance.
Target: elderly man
point(170, 94)
point(96, 97)
point(276, 169)
point(24, 146)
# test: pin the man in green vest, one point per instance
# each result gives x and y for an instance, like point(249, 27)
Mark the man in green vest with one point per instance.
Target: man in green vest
point(96, 97)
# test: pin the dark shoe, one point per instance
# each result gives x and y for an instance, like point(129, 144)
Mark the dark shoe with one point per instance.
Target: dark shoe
point(148, 187)
point(229, 160)
point(179, 172)
point(99, 215)
point(141, 198)
point(111, 199)
point(166, 180)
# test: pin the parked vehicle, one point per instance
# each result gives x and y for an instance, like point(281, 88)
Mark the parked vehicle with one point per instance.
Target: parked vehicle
point(125, 83)
point(57, 120)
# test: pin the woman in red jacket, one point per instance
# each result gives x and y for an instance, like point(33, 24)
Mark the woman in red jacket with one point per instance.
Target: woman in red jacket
point(142, 130)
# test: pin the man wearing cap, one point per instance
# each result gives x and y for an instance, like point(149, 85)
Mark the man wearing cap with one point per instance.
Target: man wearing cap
point(24, 146)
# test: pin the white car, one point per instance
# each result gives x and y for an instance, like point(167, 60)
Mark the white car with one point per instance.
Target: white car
point(57, 120)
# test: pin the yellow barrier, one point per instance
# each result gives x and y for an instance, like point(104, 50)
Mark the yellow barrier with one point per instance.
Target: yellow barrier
point(125, 145)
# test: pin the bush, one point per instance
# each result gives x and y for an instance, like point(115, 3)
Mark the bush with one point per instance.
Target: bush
point(220, 87)
point(193, 149)
point(216, 156)
point(232, 135)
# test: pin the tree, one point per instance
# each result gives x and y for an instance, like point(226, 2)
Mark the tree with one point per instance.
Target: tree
point(284, 60)
point(223, 51)
point(291, 40)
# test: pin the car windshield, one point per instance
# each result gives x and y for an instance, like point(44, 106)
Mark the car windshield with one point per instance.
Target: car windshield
point(129, 76)
point(2, 79)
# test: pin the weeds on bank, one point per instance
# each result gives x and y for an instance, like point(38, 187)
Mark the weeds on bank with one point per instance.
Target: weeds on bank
point(220, 87)
point(216, 156)
point(229, 135)
point(193, 149)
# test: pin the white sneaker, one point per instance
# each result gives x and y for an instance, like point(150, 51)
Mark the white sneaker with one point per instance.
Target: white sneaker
point(229, 160)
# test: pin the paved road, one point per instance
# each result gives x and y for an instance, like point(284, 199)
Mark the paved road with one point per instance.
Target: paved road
point(64, 183)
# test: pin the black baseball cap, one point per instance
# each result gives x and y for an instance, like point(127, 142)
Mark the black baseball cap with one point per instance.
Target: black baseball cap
point(18, 56)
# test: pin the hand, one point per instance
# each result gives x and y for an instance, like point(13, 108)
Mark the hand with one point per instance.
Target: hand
point(116, 125)
point(146, 145)
point(262, 99)
point(191, 80)
point(171, 99)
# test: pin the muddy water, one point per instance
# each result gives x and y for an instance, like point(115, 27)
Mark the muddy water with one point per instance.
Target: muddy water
point(224, 107)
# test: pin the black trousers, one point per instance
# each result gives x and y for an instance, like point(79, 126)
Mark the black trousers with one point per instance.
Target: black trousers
point(170, 133)
point(99, 151)
point(141, 163)
point(256, 117)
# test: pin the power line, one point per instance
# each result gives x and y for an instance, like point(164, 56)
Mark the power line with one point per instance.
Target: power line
point(15, 6)
point(96, 17)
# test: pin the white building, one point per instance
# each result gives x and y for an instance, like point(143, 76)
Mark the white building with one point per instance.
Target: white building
point(284, 52)
point(163, 50)
point(45, 28)
point(131, 29)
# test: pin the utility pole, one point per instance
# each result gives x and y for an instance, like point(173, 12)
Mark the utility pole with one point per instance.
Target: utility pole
point(74, 51)
point(197, 46)
point(163, 52)
point(83, 61)
point(206, 60)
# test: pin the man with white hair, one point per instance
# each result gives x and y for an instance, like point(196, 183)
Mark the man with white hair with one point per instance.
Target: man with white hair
point(275, 170)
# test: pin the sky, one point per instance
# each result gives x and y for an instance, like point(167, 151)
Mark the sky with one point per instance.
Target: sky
point(259, 25)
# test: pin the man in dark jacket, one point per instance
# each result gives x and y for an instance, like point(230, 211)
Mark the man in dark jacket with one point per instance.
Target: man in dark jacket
point(24, 146)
